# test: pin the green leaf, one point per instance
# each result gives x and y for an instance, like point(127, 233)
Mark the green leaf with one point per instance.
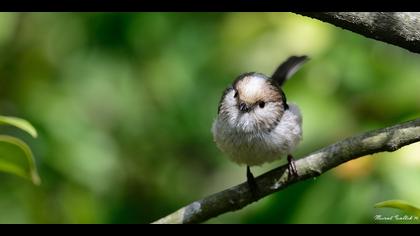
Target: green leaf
point(398, 204)
point(13, 168)
point(19, 123)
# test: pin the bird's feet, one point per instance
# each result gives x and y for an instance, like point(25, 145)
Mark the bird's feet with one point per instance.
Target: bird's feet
point(291, 167)
point(251, 182)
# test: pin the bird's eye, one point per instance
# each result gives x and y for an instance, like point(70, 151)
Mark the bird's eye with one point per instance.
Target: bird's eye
point(261, 104)
point(236, 94)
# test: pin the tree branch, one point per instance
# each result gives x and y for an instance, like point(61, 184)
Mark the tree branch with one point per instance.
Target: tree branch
point(398, 28)
point(387, 139)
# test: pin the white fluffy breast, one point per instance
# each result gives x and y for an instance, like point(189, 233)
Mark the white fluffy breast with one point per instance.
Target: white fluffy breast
point(258, 147)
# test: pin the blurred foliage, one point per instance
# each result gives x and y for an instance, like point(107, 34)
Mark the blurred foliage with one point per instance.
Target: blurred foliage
point(9, 158)
point(123, 104)
point(399, 204)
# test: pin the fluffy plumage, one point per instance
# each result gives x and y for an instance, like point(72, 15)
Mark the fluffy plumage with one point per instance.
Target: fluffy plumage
point(255, 124)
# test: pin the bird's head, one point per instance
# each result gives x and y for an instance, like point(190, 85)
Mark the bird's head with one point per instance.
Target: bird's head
point(253, 103)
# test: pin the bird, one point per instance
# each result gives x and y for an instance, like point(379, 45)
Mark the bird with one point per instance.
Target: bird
point(255, 123)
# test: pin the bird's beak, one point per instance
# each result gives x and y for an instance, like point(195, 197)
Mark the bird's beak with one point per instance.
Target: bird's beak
point(243, 107)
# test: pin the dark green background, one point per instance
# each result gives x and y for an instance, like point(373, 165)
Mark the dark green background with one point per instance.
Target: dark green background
point(124, 104)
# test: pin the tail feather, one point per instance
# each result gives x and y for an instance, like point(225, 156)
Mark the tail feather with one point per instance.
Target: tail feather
point(288, 68)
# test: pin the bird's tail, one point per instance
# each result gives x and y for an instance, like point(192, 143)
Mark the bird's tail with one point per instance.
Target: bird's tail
point(288, 68)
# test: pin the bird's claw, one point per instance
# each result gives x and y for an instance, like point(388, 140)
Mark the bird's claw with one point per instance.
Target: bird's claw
point(291, 167)
point(252, 184)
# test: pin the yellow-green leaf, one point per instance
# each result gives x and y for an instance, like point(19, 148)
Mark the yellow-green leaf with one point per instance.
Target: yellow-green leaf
point(19, 123)
point(13, 168)
point(398, 204)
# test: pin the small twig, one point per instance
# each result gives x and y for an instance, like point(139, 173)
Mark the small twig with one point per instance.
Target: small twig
point(398, 28)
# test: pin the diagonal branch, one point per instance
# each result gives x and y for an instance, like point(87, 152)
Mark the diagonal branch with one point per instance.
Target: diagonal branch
point(387, 139)
point(398, 28)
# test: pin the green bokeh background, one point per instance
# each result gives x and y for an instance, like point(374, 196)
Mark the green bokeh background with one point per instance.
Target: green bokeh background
point(123, 104)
